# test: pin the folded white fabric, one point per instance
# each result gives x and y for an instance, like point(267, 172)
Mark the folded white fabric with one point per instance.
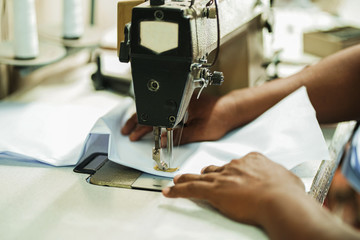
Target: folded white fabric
point(288, 133)
point(49, 133)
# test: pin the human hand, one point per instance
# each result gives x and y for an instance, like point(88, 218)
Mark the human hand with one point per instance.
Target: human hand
point(240, 189)
point(209, 119)
point(135, 130)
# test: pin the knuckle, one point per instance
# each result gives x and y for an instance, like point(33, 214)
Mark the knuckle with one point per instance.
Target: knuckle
point(228, 169)
point(210, 168)
point(254, 157)
point(234, 161)
point(181, 178)
point(191, 186)
point(254, 154)
point(206, 169)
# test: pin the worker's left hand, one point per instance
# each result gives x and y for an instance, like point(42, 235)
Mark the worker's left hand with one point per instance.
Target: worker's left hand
point(241, 189)
point(209, 118)
point(135, 130)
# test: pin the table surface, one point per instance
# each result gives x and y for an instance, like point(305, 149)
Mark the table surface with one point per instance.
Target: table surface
point(43, 202)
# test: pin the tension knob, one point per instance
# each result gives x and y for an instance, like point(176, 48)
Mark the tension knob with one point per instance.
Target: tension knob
point(217, 78)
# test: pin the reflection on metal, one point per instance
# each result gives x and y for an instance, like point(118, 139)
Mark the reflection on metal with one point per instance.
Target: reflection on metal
point(325, 174)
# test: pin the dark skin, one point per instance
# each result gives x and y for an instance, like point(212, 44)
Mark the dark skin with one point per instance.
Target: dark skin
point(206, 105)
point(333, 86)
point(217, 185)
point(280, 209)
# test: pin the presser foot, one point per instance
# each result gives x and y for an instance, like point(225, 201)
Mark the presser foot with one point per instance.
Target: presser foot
point(156, 157)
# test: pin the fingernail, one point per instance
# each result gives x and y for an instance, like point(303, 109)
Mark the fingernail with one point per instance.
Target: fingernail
point(166, 191)
point(176, 178)
point(132, 137)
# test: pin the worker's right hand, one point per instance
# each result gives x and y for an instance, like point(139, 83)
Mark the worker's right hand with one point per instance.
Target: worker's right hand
point(240, 189)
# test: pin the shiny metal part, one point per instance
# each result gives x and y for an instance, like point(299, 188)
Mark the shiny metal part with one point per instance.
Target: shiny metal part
point(157, 137)
point(203, 77)
point(170, 145)
point(157, 149)
point(156, 157)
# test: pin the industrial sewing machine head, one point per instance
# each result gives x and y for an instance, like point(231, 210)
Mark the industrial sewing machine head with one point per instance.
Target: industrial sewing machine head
point(168, 43)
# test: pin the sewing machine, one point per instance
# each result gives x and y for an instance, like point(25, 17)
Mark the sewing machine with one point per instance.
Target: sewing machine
point(34, 193)
point(172, 45)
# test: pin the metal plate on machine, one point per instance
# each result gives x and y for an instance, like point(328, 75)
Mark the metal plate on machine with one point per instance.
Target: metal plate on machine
point(152, 182)
point(115, 175)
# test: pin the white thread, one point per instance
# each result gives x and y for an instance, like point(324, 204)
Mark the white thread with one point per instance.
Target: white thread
point(73, 23)
point(26, 42)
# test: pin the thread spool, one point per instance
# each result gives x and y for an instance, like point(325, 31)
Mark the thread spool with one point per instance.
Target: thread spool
point(26, 42)
point(73, 22)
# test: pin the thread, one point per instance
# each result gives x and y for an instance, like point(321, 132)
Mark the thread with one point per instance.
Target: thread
point(4, 21)
point(73, 22)
point(26, 42)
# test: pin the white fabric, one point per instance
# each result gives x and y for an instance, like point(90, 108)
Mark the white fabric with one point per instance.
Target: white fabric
point(288, 133)
point(49, 133)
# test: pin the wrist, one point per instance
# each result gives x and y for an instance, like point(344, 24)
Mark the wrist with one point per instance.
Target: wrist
point(241, 107)
point(288, 214)
point(281, 213)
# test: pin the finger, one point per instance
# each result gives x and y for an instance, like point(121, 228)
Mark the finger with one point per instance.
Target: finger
point(211, 169)
point(194, 189)
point(181, 178)
point(129, 125)
point(195, 177)
point(139, 132)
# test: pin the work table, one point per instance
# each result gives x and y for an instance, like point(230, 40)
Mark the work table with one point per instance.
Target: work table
point(39, 201)
point(44, 202)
